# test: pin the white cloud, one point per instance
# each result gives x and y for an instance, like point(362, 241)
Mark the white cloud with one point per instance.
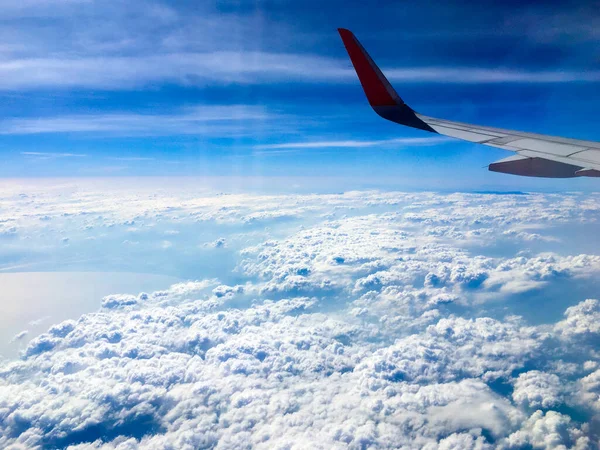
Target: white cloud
point(356, 144)
point(50, 155)
point(39, 321)
point(551, 430)
point(377, 251)
point(492, 75)
point(177, 368)
point(241, 67)
point(455, 348)
point(582, 322)
point(535, 389)
point(219, 243)
point(156, 43)
point(590, 390)
point(355, 320)
point(208, 120)
point(133, 158)
point(197, 374)
point(20, 336)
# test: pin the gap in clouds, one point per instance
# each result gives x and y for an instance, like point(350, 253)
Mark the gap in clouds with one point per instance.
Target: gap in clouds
point(34, 300)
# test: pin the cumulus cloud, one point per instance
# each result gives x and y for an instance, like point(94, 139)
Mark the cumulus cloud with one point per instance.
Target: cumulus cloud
point(551, 430)
point(590, 390)
point(361, 326)
point(459, 218)
point(581, 322)
point(274, 374)
point(535, 389)
point(457, 348)
point(376, 252)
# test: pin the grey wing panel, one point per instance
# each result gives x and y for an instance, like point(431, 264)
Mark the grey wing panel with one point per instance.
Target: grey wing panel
point(505, 132)
point(575, 152)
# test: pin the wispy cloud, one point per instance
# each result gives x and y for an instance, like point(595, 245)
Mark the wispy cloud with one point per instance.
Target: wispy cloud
point(103, 170)
point(132, 158)
point(201, 69)
point(466, 75)
point(158, 44)
point(404, 142)
point(195, 69)
point(209, 120)
point(19, 336)
point(51, 155)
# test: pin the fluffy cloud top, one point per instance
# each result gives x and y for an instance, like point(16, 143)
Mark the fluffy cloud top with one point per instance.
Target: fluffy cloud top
point(365, 329)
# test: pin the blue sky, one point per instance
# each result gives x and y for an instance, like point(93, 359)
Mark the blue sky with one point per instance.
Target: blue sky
point(264, 89)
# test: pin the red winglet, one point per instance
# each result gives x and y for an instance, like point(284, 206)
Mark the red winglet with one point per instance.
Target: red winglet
point(377, 88)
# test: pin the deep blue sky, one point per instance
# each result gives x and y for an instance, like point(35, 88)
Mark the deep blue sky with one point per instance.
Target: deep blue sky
point(102, 88)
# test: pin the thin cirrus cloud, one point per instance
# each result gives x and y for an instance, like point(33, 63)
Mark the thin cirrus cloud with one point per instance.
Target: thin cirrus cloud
point(355, 143)
point(181, 68)
point(209, 120)
point(466, 75)
point(52, 155)
point(246, 68)
point(169, 44)
point(132, 158)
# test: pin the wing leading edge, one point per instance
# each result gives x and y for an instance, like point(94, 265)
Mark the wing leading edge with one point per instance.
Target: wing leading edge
point(537, 155)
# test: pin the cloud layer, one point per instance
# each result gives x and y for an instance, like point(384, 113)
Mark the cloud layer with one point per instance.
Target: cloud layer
point(359, 320)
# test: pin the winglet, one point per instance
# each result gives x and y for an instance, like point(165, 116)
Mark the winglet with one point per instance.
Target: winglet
point(377, 88)
point(380, 93)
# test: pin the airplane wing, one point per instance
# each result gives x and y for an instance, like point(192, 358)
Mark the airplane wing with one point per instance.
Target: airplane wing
point(536, 155)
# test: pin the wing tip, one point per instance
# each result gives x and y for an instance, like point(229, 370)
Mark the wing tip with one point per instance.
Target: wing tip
point(377, 88)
